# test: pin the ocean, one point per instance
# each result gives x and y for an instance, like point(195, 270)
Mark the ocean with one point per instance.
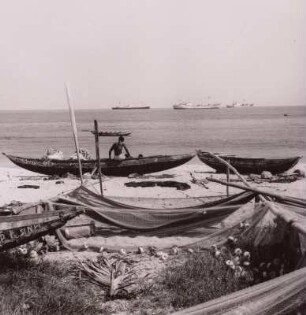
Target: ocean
point(253, 131)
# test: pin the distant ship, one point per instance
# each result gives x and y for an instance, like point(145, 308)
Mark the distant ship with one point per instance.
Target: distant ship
point(240, 104)
point(130, 107)
point(247, 105)
point(198, 106)
point(233, 105)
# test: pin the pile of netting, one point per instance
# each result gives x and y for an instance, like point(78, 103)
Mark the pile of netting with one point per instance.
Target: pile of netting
point(108, 214)
point(54, 154)
point(265, 248)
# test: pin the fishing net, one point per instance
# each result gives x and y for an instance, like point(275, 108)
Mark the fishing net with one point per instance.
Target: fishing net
point(282, 295)
point(274, 234)
point(155, 221)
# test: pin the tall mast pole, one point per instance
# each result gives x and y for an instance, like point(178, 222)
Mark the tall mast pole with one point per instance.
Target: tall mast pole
point(98, 155)
point(74, 129)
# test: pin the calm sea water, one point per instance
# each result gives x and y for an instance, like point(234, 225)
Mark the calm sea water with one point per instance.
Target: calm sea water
point(257, 131)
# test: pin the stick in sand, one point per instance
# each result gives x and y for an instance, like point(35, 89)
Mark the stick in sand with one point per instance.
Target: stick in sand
point(98, 155)
point(74, 129)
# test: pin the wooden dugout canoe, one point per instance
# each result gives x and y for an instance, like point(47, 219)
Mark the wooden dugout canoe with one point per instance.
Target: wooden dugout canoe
point(141, 165)
point(37, 220)
point(249, 165)
point(111, 133)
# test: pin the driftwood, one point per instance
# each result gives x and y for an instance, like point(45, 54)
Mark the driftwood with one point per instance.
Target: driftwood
point(168, 183)
point(199, 182)
point(29, 186)
point(260, 191)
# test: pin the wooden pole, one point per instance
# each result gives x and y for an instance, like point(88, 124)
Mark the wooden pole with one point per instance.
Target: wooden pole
point(74, 129)
point(98, 155)
point(230, 167)
point(260, 191)
point(227, 179)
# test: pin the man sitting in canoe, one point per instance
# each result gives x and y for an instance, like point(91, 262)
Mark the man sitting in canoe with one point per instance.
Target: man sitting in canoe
point(118, 150)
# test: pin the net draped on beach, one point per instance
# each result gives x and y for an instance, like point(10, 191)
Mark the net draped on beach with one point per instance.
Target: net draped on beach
point(271, 223)
point(156, 221)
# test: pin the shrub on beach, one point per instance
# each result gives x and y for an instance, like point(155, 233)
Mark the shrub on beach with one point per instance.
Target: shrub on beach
point(48, 288)
point(200, 278)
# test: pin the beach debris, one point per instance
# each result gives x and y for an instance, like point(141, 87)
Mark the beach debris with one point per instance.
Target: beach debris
point(53, 154)
point(190, 250)
point(51, 243)
point(161, 176)
point(299, 172)
point(243, 225)
point(159, 254)
point(214, 247)
point(230, 264)
point(140, 250)
point(34, 257)
point(171, 184)
point(70, 176)
point(59, 182)
point(164, 256)
point(135, 175)
point(232, 241)
point(122, 251)
point(52, 177)
point(10, 208)
point(202, 182)
point(84, 154)
point(246, 264)
point(111, 273)
point(266, 175)
point(247, 255)
point(26, 306)
point(279, 178)
point(217, 253)
point(152, 250)
point(238, 251)
point(174, 250)
point(33, 177)
point(87, 176)
point(237, 260)
point(29, 186)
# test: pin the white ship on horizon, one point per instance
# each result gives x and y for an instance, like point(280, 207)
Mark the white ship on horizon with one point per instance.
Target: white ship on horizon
point(236, 104)
point(189, 105)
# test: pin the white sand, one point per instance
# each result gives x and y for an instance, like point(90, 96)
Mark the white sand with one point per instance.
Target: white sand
point(11, 178)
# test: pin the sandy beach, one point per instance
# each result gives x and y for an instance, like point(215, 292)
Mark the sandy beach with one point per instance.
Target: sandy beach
point(11, 180)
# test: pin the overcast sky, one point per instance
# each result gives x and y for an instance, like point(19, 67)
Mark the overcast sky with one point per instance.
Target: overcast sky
point(153, 52)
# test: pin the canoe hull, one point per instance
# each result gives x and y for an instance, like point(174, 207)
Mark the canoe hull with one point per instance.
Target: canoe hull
point(249, 165)
point(125, 167)
point(16, 230)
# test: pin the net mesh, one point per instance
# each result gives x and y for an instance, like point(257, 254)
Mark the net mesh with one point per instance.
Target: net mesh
point(275, 233)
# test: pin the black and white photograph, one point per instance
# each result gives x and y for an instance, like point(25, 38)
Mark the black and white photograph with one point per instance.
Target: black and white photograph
point(153, 157)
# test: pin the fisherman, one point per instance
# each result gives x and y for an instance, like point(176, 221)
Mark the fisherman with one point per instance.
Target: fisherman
point(118, 150)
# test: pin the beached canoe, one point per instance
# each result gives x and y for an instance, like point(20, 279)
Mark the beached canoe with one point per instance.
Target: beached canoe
point(249, 165)
point(38, 221)
point(110, 133)
point(140, 165)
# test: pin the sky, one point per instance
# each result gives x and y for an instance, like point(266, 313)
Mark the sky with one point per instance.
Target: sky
point(151, 52)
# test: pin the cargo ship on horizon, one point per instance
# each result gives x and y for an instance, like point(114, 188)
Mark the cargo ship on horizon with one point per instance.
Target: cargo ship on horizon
point(130, 107)
point(198, 106)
